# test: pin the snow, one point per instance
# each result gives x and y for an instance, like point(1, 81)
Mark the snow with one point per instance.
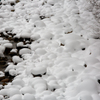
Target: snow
point(61, 59)
point(8, 45)
point(24, 51)
point(29, 96)
point(16, 59)
point(1, 74)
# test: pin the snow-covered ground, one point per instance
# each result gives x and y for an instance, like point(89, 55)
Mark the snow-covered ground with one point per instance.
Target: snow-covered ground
point(63, 61)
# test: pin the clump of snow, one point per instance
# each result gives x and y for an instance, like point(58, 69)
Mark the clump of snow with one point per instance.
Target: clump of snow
point(39, 24)
point(8, 45)
point(1, 74)
point(86, 97)
point(24, 51)
point(1, 97)
point(27, 89)
point(29, 96)
point(13, 50)
point(40, 51)
point(49, 97)
point(9, 67)
point(16, 59)
point(20, 44)
point(13, 91)
point(85, 86)
point(12, 72)
point(16, 97)
point(38, 70)
point(39, 84)
point(18, 81)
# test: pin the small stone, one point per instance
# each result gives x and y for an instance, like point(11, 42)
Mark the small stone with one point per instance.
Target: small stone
point(15, 39)
point(83, 48)
point(27, 39)
point(1, 78)
point(85, 65)
point(52, 4)
point(5, 80)
point(3, 58)
point(4, 83)
point(62, 44)
point(53, 89)
point(99, 81)
point(44, 73)
point(21, 39)
point(12, 4)
point(68, 32)
point(0, 3)
point(12, 10)
point(3, 66)
point(38, 75)
point(42, 17)
point(17, 1)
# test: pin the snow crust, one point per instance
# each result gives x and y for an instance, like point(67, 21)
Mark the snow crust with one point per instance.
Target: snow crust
point(63, 60)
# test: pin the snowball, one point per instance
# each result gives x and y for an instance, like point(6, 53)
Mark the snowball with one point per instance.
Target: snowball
point(2, 74)
point(91, 60)
point(28, 96)
point(86, 97)
point(88, 85)
point(71, 79)
point(9, 28)
point(18, 81)
point(13, 91)
point(94, 49)
point(35, 37)
point(4, 92)
point(96, 96)
point(34, 46)
point(40, 51)
point(16, 97)
point(49, 97)
point(24, 51)
point(38, 70)
point(1, 97)
point(39, 84)
point(35, 17)
point(11, 1)
point(9, 67)
point(12, 72)
point(20, 44)
point(39, 24)
point(53, 85)
point(14, 50)
point(77, 68)
point(27, 89)
point(25, 34)
point(8, 45)
point(52, 1)
point(47, 35)
point(16, 59)
point(52, 56)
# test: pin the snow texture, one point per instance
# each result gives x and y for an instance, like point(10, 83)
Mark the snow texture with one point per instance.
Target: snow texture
point(62, 62)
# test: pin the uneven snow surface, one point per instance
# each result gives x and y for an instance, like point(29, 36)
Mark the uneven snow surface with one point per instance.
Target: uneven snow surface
point(63, 61)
